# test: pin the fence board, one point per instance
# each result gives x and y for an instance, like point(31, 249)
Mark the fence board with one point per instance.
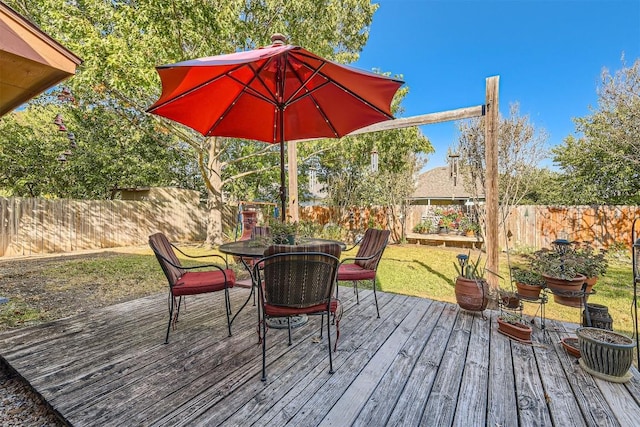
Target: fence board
point(31, 226)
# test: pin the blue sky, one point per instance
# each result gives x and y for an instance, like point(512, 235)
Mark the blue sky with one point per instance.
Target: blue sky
point(549, 56)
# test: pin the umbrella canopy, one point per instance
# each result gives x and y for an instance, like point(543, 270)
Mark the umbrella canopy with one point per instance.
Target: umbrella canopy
point(30, 60)
point(273, 94)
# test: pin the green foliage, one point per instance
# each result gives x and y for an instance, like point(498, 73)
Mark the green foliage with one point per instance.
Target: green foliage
point(122, 42)
point(469, 269)
point(594, 263)
point(423, 227)
point(601, 167)
point(527, 276)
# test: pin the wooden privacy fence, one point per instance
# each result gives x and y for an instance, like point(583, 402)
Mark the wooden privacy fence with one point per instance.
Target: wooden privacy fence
point(33, 226)
point(537, 226)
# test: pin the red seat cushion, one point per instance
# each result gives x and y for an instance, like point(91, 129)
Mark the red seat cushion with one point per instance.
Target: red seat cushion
point(198, 282)
point(277, 311)
point(354, 272)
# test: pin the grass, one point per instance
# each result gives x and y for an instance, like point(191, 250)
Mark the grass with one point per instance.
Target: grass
point(421, 271)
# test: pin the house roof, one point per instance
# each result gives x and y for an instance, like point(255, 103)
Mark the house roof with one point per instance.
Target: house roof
point(437, 184)
point(30, 60)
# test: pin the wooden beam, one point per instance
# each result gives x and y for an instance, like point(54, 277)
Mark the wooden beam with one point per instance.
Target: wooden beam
point(424, 119)
point(491, 189)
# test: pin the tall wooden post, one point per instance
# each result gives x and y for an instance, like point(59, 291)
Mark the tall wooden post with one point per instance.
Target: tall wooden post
point(491, 190)
point(292, 166)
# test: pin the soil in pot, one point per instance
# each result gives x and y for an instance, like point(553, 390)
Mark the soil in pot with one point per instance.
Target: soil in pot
point(472, 294)
point(516, 330)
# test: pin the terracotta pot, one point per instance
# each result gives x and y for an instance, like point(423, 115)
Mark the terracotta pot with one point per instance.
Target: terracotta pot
point(518, 331)
point(563, 289)
point(528, 291)
point(572, 346)
point(590, 283)
point(606, 354)
point(472, 294)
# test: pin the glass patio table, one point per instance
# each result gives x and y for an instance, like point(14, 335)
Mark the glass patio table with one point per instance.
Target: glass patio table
point(251, 250)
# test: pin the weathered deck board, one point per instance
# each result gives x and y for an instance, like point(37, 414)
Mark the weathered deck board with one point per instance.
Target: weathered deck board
point(422, 363)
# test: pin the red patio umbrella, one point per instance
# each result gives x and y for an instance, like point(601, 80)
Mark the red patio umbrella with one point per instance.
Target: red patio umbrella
point(273, 94)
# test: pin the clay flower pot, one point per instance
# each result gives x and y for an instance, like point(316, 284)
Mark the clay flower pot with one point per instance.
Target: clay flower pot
point(472, 294)
point(571, 345)
point(516, 330)
point(531, 292)
point(564, 288)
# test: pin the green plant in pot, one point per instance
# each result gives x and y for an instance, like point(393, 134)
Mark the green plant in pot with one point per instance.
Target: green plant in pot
point(561, 272)
point(593, 264)
point(512, 326)
point(283, 233)
point(529, 283)
point(471, 288)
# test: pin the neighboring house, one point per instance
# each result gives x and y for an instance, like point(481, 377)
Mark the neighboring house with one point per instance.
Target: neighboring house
point(437, 187)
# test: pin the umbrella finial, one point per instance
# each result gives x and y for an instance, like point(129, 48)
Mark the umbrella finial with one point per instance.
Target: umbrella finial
point(278, 39)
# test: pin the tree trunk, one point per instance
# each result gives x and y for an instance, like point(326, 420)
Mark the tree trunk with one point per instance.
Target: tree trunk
point(214, 196)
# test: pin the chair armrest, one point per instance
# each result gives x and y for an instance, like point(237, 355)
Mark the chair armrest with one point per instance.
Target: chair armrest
point(226, 264)
point(182, 267)
point(364, 258)
point(355, 244)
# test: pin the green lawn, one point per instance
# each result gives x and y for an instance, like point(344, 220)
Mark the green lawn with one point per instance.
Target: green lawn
point(429, 272)
point(423, 271)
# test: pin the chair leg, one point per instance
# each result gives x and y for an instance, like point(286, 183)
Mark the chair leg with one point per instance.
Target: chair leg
point(375, 296)
point(355, 290)
point(227, 302)
point(171, 303)
point(264, 349)
point(329, 342)
point(289, 328)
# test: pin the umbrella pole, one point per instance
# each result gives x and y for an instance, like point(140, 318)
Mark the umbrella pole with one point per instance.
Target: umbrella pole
point(283, 187)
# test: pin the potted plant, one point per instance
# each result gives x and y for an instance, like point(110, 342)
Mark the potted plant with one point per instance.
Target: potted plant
point(512, 326)
point(471, 288)
point(468, 227)
point(593, 264)
point(423, 227)
point(605, 354)
point(283, 233)
point(529, 283)
point(561, 273)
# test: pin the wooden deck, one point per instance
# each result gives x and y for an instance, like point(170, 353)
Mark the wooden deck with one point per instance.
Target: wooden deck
point(422, 363)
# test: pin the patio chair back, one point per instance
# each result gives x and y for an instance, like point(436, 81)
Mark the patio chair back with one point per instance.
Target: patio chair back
point(164, 251)
point(373, 243)
point(300, 276)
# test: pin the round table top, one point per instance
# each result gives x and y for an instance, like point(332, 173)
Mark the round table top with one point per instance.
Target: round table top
point(256, 248)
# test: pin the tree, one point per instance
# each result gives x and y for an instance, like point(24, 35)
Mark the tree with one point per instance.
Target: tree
point(520, 149)
point(122, 42)
point(346, 168)
point(603, 166)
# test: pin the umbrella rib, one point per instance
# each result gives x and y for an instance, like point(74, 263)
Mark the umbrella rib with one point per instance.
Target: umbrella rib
point(193, 89)
point(341, 86)
point(245, 89)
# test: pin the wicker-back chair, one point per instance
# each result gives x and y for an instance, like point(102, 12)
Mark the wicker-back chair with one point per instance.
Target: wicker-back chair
point(298, 280)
